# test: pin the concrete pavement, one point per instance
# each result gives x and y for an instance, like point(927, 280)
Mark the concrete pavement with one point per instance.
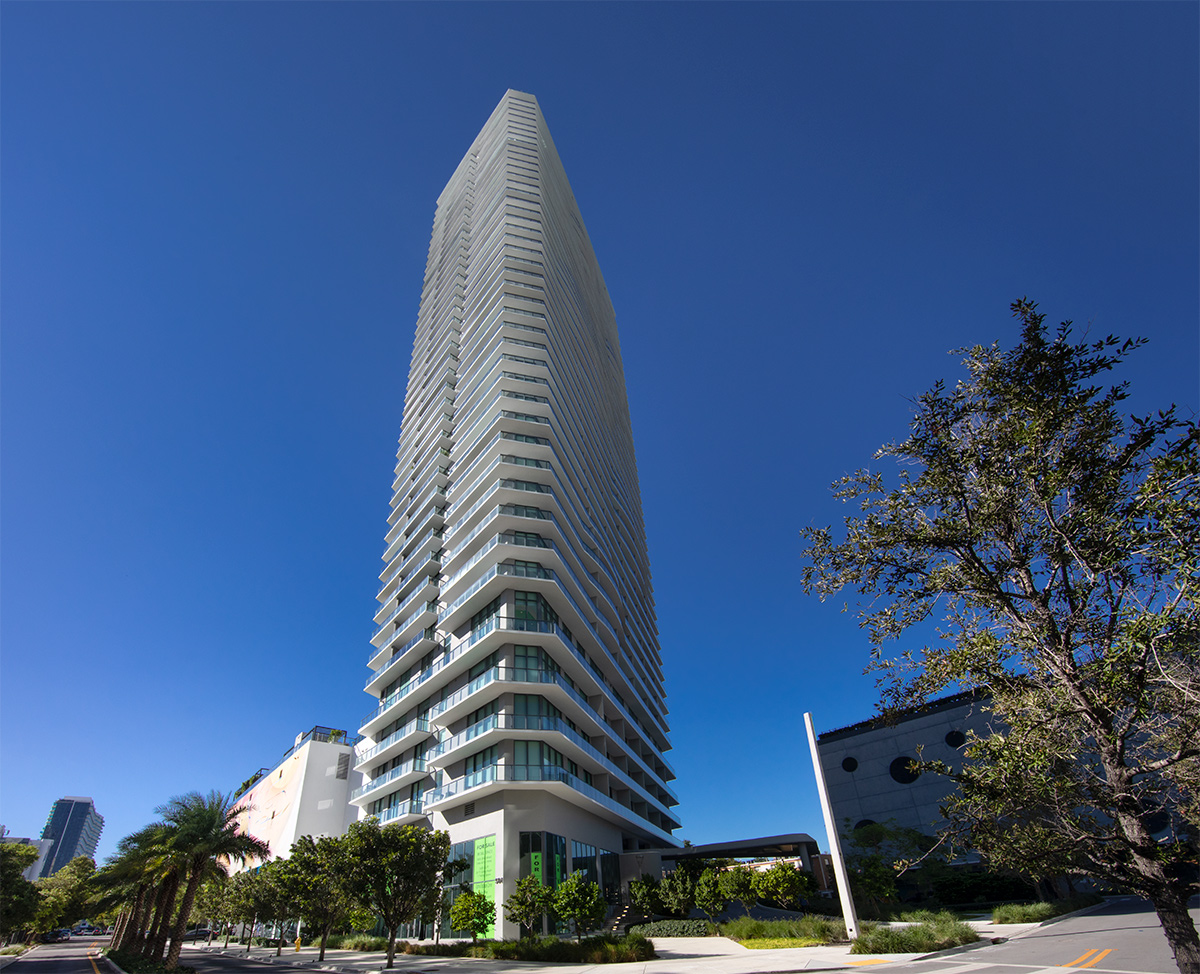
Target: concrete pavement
point(676, 955)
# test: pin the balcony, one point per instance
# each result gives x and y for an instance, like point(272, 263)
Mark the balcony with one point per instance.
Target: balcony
point(504, 725)
point(394, 743)
point(403, 814)
point(574, 790)
point(408, 771)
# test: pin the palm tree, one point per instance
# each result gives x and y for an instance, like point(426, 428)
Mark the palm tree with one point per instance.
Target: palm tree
point(135, 875)
point(206, 833)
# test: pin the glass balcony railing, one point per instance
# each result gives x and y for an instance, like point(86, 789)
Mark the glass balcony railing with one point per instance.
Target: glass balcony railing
point(429, 606)
point(416, 726)
point(502, 772)
point(413, 764)
point(407, 603)
point(545, 722)
point(404, 809)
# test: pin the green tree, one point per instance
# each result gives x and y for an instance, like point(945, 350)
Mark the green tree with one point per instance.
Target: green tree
point(646, 895)
point(782, 884)
point(279, 895)
point(737, 883)
point(212, 904)
point(472, 912)
point(245, 901)
point(394, 869)
point(63, 897)
point(1059, 541)
point(325, 884)
point(677, 892)
point(528, 904)
point(18, 896)
point(709, 895)
point(581, 903)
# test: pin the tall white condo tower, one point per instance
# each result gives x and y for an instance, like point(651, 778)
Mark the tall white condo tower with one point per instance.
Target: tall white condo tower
point(516, 667)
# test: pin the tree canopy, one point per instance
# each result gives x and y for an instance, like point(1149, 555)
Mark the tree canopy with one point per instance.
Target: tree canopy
point(1057, 541)
point(393, 869)
point(18, 896)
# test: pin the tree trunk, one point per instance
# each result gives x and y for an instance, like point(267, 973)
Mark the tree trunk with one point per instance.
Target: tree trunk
point(324, 939)
point(132, 938)
point(159, 945)
point(391, 952)
point(1171, 906)
point(156, 919)
point(185, 913)
point(250, 938)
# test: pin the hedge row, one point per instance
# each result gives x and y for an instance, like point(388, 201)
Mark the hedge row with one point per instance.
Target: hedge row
point(675, 928)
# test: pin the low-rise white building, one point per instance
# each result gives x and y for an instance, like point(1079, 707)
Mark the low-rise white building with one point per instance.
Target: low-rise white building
point(307, 793)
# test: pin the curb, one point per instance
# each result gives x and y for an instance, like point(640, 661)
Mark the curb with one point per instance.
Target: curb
point(964, 948)
point(110, 962)
point(1073, 913)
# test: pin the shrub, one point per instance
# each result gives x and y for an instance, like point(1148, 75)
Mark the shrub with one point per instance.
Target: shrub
point(810, 927)
point(452, 949)
point(1039, 912)
point(928, 916)
point(674, 928)
point(921, 938)
point(131, 963)
point(364, 942)
point(591, 950)
point(776, 943)
point(1023, 912)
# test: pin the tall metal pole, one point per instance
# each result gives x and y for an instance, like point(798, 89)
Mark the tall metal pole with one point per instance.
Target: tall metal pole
point(835, 843)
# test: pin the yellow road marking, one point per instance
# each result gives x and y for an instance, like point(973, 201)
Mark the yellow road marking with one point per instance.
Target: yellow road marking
point(92, 960)
point(1079, 960)
point(1099, 957)
point(864, 963)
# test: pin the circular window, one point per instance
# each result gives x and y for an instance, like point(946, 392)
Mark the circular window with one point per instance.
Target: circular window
point(849, 764)
point(956, 738)
point(863, 824)
point(902, 770)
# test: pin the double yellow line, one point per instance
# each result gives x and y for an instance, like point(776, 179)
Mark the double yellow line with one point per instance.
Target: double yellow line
point(1087, 960)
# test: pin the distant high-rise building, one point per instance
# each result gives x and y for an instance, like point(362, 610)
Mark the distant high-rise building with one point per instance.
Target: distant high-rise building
point(74, 827)
point(516, 662)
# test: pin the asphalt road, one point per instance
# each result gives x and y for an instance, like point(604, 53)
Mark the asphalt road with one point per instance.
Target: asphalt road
point(74, 956)
point(1122, 937)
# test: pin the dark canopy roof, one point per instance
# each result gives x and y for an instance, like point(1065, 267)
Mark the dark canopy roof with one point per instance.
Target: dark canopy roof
point(768, 846)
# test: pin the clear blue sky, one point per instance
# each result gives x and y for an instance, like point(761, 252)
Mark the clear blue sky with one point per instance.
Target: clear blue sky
point(215, 218)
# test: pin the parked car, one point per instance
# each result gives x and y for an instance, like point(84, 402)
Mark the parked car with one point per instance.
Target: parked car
point(200, 933)
point(56, 936)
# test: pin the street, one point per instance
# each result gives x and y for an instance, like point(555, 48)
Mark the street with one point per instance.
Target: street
point(1122, 937)
point(75, 956)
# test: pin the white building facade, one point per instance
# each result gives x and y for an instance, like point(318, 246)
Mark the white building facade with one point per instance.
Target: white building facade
point(516, 666)
point(306, 793)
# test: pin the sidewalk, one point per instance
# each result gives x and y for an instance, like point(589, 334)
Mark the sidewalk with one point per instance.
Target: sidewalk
point(676, 955)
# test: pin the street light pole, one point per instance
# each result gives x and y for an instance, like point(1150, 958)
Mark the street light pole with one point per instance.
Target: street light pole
point(835, 843)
